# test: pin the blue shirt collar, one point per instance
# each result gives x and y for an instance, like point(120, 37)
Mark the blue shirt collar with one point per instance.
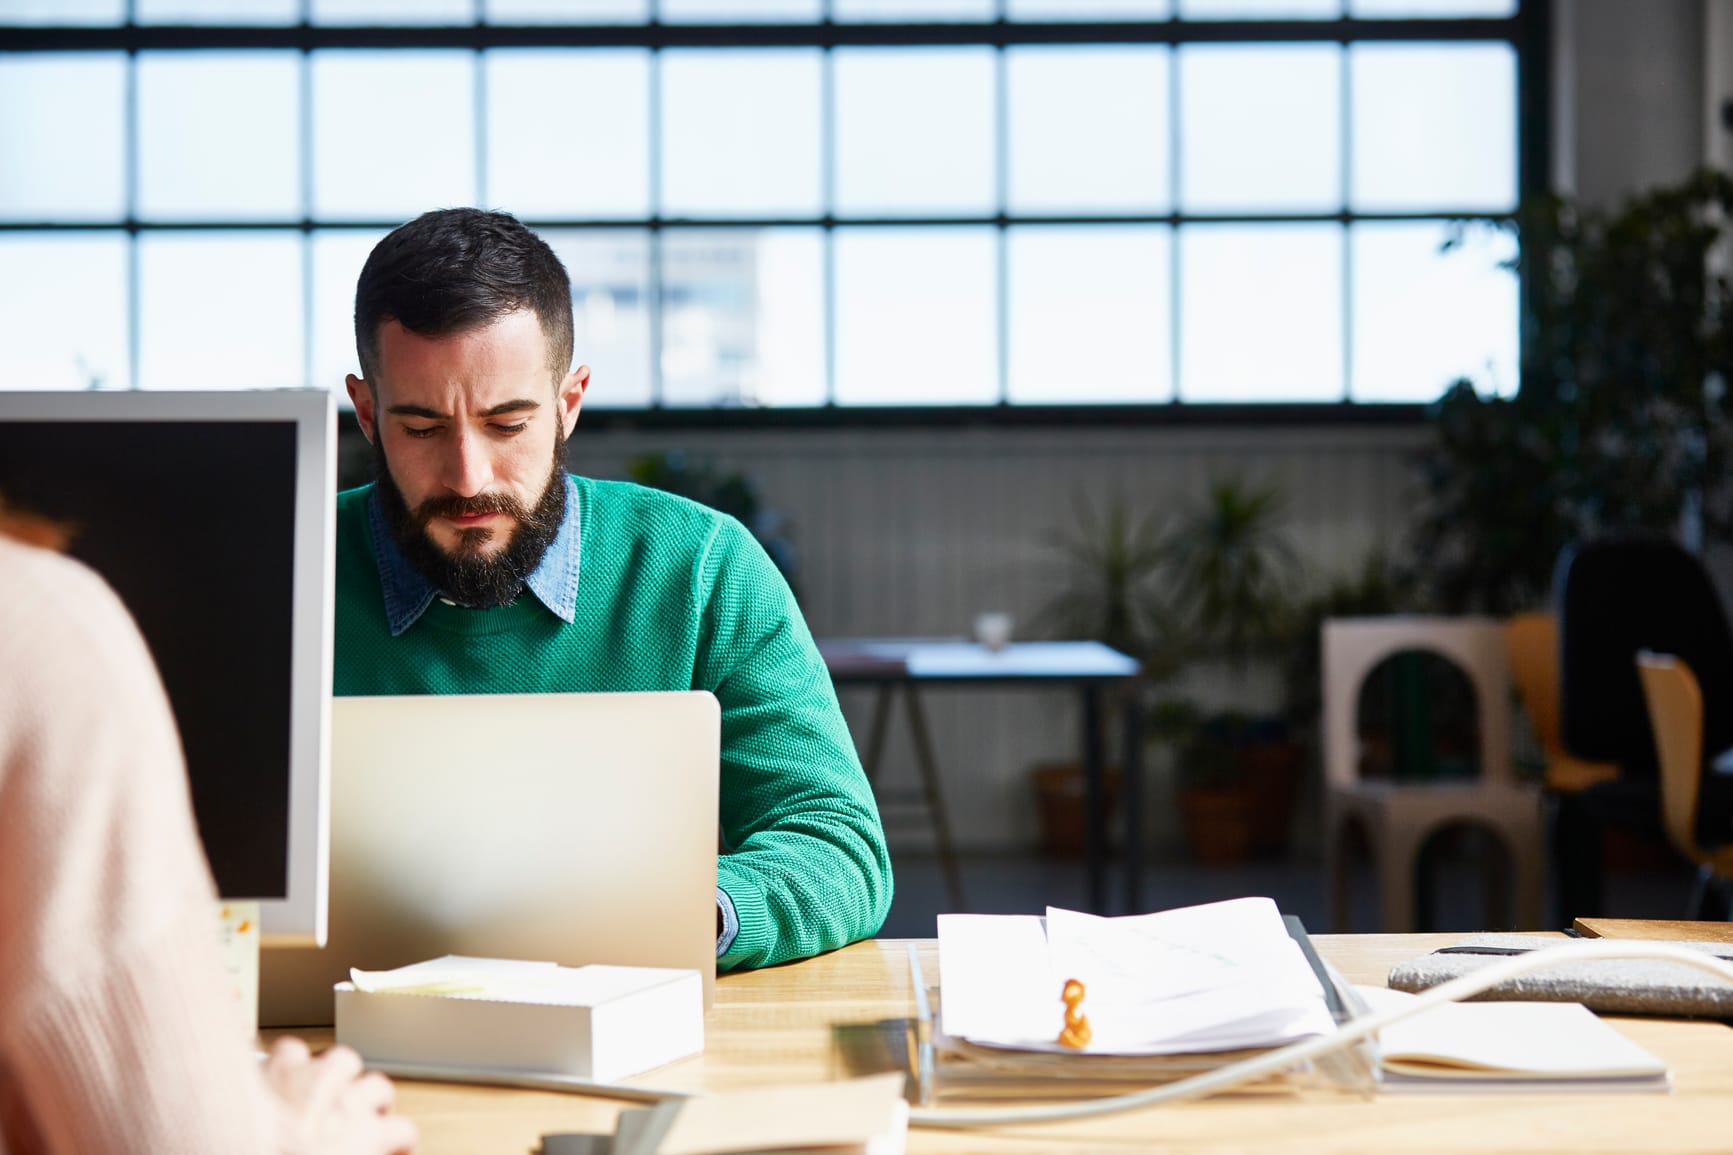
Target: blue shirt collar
point(554, 581)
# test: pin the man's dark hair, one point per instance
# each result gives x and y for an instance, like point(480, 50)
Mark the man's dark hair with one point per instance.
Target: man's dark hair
point(451, 270)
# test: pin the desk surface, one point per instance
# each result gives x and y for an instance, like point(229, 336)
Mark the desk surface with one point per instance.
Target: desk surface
point(936, 660)
point(776, 1027)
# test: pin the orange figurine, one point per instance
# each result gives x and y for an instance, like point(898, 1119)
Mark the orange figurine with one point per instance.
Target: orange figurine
point(1076, 1034)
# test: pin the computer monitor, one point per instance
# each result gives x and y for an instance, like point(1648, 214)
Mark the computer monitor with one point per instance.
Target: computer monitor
point(211, 514)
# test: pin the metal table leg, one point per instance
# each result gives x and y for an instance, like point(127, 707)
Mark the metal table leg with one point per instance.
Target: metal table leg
point(935, 798)
point(1095, 799)
point(1131, 796)
point(876, 734)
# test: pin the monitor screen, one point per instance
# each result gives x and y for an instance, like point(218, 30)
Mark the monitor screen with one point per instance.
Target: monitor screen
point(210, 516)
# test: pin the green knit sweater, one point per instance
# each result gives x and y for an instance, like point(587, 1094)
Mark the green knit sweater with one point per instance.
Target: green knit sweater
point(671, 596)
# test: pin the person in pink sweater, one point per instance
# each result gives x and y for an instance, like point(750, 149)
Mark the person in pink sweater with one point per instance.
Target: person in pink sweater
point(118, 1033)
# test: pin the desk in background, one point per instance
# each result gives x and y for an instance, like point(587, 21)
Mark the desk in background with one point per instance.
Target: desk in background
point(775, 1027)
point(906, 665)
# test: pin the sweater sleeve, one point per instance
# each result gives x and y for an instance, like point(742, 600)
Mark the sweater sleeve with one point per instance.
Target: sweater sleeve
point(117, 1029)
point(806, 867)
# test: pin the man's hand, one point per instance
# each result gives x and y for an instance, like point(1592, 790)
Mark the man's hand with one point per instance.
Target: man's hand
point(327, 1106)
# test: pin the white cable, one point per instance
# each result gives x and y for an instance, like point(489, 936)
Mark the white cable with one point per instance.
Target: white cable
point(1350, 1033)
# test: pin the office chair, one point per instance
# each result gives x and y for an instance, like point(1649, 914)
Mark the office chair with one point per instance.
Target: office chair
point(1694, 794)
point(1615, 598)
point(1531, 648)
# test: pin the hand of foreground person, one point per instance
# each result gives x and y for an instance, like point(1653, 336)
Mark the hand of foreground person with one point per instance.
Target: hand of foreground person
point(327, 1106)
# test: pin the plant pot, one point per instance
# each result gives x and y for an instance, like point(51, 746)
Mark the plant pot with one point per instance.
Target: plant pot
point(1219, 821)
point(1271, 773)
point(1062, 807)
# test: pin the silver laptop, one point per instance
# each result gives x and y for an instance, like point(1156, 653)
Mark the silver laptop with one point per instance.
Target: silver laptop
point(576, 828)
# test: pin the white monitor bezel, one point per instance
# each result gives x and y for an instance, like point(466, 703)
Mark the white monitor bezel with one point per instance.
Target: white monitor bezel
point(298, 918)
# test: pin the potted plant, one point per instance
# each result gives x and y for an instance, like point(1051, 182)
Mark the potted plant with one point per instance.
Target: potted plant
point(1110, 559)
point(1230, 575)
point(1619, 423)
point(1209, 584)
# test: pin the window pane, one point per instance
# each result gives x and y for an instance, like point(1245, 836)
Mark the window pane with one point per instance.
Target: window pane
point(610, 274)
point(740, 132)
point(393, 133)
point(1261, 128)
point(44, 344)
point(1088, 9)
point(916, 316)
point(743, 317)
point(1434, 126)
point(66, 166)
point(566, 11)
point(1423, 318)
point(96, 12)
point(914, 131)
point(230, 159)
point(1261, 313)
point(551, 156)
point(1402, 8)
point(1090, 317)
point(1089, 129)
point(739, 11)
point(912, 9)
point(338, 255)
point(1260, 9)
point(394, 11)
point(217, 11)
point(196, 332)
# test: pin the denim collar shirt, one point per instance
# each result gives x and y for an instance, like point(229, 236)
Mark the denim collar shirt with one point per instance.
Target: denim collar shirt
point(554, 581)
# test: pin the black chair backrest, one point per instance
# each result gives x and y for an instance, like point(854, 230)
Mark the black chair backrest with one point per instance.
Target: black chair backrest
point(1617, 597)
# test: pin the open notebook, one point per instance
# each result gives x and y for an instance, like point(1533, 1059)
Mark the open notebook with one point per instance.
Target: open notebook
point(1511, 1046)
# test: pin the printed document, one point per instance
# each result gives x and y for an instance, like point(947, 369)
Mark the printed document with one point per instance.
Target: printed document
point(1222, 976)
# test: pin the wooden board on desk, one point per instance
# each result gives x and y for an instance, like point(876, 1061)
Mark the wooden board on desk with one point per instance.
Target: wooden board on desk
point(779, 1026)
point(1654, 929)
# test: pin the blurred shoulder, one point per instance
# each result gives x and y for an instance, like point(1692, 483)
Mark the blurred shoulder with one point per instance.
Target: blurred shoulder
point(57, 605)
point(32, 579)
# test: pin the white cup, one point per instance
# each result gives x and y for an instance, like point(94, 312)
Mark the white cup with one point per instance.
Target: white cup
point(993, 630)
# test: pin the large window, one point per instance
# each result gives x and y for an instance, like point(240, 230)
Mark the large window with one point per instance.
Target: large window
point(786, 203)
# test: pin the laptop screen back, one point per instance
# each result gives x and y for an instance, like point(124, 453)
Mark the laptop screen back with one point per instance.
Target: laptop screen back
point(572, 828)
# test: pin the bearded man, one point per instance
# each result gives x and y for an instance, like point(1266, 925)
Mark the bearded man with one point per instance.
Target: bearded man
point(476, 564)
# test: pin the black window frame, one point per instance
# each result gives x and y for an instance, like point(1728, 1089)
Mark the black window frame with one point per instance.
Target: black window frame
point(1528, 32)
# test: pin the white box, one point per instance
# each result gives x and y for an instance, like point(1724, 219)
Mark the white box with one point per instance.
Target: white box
point(505, 1016)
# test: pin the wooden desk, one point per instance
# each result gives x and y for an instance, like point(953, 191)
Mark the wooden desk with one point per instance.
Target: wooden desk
point(776, 1027)
point(907, 664)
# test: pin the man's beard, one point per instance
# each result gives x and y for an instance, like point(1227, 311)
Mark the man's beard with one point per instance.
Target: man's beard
point(469, 576)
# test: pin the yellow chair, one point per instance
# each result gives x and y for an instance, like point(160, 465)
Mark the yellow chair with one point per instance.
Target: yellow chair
point(1675, 704)
point(1531, 648)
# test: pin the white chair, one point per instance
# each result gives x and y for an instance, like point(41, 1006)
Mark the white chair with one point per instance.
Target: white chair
point(1398, 817)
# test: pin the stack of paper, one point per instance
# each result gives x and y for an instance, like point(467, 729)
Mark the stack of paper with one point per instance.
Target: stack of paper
point(1204, 978)
point(457, 1017)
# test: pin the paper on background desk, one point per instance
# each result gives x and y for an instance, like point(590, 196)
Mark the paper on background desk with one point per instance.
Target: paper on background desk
point(1020, 659)
point(1220, 976)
